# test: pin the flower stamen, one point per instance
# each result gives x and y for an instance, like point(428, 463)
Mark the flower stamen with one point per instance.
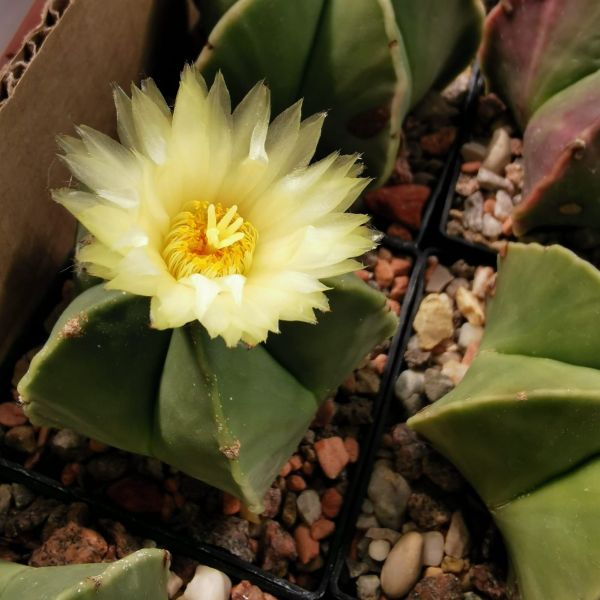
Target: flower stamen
point(209, 240)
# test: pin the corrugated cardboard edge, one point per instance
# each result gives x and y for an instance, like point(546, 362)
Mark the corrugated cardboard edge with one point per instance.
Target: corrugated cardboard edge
point(61, 78)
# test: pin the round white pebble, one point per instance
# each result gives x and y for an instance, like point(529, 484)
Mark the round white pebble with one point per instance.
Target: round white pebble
point(379, 550)
point(208, 584)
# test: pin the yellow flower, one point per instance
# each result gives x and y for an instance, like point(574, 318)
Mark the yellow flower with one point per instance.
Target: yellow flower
point(217, 216)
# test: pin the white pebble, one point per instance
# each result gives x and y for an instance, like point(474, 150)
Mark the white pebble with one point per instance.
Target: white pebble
point(208, 584)
point(492, 228)
point(473, 151)
point(488, 180)
point(433, 548)
point(457, 538)
point(409, 382)
point(402, 567)
point(367, 587)
point(504, 205)
point(379, 550)
point(173, 584)
point(469, 334)
point(498, 152)
point(483, 281)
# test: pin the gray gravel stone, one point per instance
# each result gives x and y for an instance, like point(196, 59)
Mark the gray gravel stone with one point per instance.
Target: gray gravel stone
point(309, 506)
point(389, 492)
point(436, 384)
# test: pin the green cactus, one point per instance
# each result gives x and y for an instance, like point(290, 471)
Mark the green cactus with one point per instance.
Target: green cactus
point(367, 63)
point(230, 417)
point(522, 426)
point(543, 59)
point(140, 576)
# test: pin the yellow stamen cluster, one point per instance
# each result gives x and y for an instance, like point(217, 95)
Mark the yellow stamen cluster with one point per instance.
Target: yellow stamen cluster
point(210, 240)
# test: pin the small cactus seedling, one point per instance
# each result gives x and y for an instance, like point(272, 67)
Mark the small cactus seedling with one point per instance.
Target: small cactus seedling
point(142, 575)
point(367, 63)
point(522, 426)
point(543, 59)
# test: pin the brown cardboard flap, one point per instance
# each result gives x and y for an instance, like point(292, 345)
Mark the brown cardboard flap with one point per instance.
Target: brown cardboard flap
point(60, 78)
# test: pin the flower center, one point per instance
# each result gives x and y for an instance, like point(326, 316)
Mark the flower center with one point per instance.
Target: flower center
point(210, 240)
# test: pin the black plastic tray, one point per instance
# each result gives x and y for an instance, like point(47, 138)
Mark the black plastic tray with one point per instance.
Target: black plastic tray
point(448, 252)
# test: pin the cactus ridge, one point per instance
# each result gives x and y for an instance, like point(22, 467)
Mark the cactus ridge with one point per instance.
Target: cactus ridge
point(367, 63)
point(543, 59)
point(522, 425)
point(230, 417)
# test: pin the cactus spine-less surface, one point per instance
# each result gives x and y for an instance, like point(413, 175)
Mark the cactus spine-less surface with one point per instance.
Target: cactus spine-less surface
point(543, 58)
point(523, 424)
point(230, 417)
point(142, 575)
point(367, 62)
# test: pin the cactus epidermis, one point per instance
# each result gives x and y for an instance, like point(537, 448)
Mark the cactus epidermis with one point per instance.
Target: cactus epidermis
point(522, 426)
point(230, 417)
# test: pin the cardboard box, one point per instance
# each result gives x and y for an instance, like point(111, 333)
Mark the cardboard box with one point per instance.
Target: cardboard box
point(61, 77)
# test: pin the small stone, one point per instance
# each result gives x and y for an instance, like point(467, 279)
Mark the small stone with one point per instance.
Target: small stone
point(136, 495)
point(469, 334)
point(365, 522)
point(455, 371)
point(11, 414)
point(470, 168)
point(453, 565)
point(409, 382)
point(441, 587)
point(439, 142)
point(389, 493)
point(504, 205)
point(473, 151)
point(321, 529)
point(466, 185)
point(307, 547)
point(488, 180)
point(484, 580)
point(368, 587)
point(246, 591)
point(433, 548)
point(289, 513)
point(208, 584)
point(492, 228)
point(473, 213)
point(174, 584)
point(296, 483)
point(436, 384)
point(332, 455)
point(331, 503)
point(470, 307)
point(457, 538)
point(379, 550)
point(401, 266)
point(279, 545)
point(456, 283)
point(232, 534)
point(403, 203)
point(515, 174)
point(21, 438)
point(383, 533)
point(399, 287)
point(498, 152)
point(309, 506)
point(384, 273)
point(426, 511)
point(433, 321)
point(69, 445)
point(414, 355)
point(439, 278)
point(272, 502)
point(22, 495)
point(402, 566)
point(483, 281)
point(410, 451)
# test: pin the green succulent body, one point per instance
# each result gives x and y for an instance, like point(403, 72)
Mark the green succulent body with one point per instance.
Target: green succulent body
point(543, 59)
point(230, 417)
point(367, 63)
point(142, 575)
point(523, 424)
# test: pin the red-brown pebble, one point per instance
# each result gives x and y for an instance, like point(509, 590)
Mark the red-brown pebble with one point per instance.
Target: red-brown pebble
point(399, 231)
point(402, 203)
point(324, 414)
point(489, 205)
point(353, 448)
point(401, 266)
point(399, 288)
point(331, 503)
point(231, 504)
point(70, 473)
point(285, 470)
point(321, 529)
point(296, 462)
point(379, 362)
point(11, 415)
point(384, 273)
point(394, 306)
point(308, 468)
point(507, 227)
point(296, 483)
point(333, 456)
point(363, 274)
point(246, 591)
point(96, 446)
point(439, 142)
point(470, 168)
point(306, 546)
point(136, 495)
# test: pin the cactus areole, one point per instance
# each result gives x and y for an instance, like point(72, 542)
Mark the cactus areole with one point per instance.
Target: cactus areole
point(522, 426)
point(228, 312)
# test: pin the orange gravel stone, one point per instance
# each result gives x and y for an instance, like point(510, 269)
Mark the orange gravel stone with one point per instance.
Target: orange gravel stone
point(363, 274)
point(70, 473)
point(489, 205)
point(470, 168)
point(384, 273)
point(331, 503)
point(11, 415)
point(394, 306)
point(321, 529)
point(353, 448)
point(296, 483)
point(306, 546)
point(333, 456)
point(231, 504)
point(379, 362)
point(399, 288)
point(295, 462)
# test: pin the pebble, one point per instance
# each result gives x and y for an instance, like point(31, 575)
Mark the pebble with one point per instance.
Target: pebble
point(307, 547)
point(440, 587)
point(439, 142)
point(402, 566)
point(379, 550)
point(454, 371)
point(332, 455)
point(433, 548)
point(11, 414)
point(469, 334)
point(136, 495)
point(368, 587)
point(403, 203)
point(353, 448)
point(174, 584)
point(433, 321)
point(309, 506)
point(492, 228)
point(439, 278)
point(389, 493)
point(22, 495)
point(383, 533)
point(456, 283)
point(409, 382)
point(483, 281)
point(473, 151)
point(498, 152)
point(473, 214)
point(207, 584)
point(69, 445)
point(466, 185)
point(504, 205)
point(457, 538)
point(289, 514)
point(427, 512)
point(384, 273)
point(321, 529)
point(331, 503)
point(21, 438)
point(515, 174)
point(470, 307)
point(436, 384)
point(489, 180)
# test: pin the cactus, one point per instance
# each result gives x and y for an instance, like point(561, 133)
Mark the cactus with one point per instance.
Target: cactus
point(522, 426)
point(367, 63)
point(140, 576)
point(543, 59)
point(230, 417)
